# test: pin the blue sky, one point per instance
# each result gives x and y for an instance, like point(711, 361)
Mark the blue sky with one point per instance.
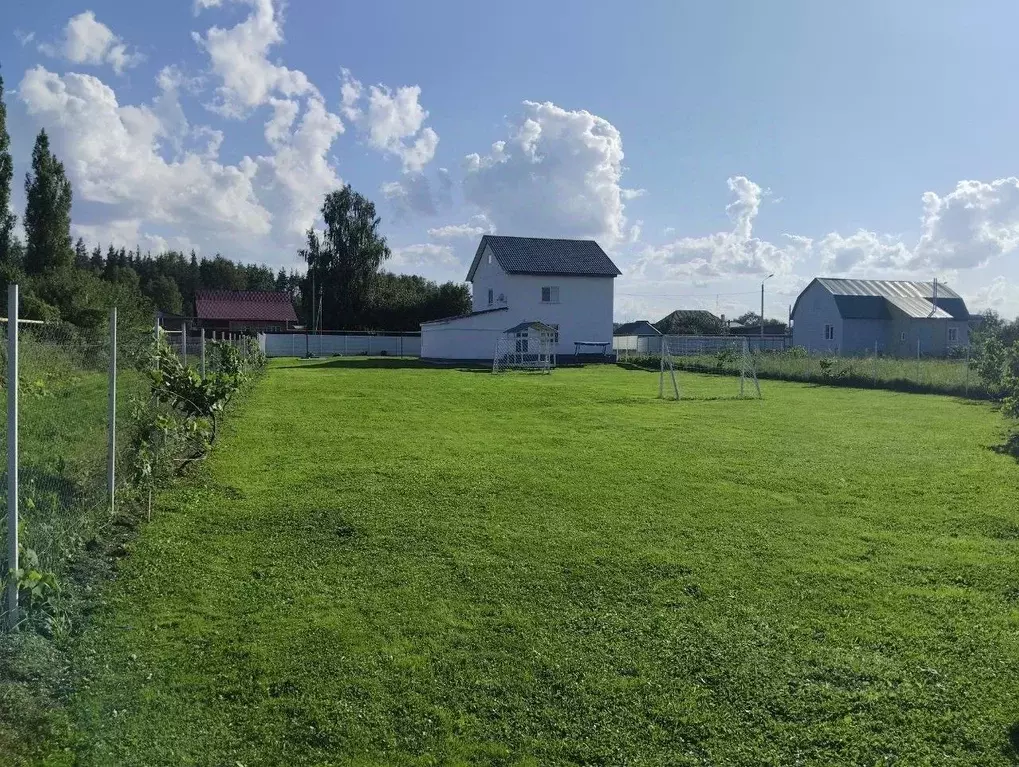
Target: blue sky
point(705, 145)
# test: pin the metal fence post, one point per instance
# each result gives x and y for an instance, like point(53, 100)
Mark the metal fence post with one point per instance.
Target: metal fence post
point(12, 453)
point(111, 456)
point(203, 352)
point(184, 343)
point(918, 360)
point(967, 370)
point(875, 363)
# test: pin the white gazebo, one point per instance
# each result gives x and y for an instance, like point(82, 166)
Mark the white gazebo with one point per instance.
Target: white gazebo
point(527, 346)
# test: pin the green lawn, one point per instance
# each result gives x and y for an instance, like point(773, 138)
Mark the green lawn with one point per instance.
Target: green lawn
point(409, 566)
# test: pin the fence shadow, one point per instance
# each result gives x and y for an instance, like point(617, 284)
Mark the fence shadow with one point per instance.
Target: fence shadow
point(360, 363)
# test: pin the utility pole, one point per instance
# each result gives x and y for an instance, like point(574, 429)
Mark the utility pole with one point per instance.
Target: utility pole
point(762, 303)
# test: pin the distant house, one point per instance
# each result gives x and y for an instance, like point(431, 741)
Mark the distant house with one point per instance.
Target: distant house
point(734, 328)
point(638, 337)
point(893, 316)
point(244, 310)
point(566, 284)
point(690, 322)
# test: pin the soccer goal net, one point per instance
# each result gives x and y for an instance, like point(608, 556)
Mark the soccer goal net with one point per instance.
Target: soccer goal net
point(524, 353)
point(714, 354)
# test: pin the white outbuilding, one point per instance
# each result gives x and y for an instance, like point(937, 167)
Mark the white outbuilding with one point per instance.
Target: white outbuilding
point(565, 284)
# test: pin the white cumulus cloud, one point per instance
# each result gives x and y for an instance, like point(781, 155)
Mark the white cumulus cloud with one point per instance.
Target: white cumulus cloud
point(971, 225)
point(473, 229)
point(732, 252)
point(416, 194)
point(239, 56)
point(557, 174)
point(299, 174)
point(88, 41)
point(392, 121)
point(112, 154)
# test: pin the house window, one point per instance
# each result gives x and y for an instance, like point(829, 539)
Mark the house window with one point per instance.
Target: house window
point(902, 336)
point(953, 335)
point(829, 332)
point(522, 342)
point(550, 294)
point(491, 296)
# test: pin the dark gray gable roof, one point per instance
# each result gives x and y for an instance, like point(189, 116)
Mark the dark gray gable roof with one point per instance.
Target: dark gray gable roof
point(637, 328)
point(690, 314)
point(542, 255)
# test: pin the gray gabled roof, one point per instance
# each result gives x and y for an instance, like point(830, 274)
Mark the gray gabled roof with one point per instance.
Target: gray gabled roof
point(637, 328)
point(871, 299)
point(542, 255)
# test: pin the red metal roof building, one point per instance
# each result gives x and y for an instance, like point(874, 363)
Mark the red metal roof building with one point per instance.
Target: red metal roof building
point(240, 310)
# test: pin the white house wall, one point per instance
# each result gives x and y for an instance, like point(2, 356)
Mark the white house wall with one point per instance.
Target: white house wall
point(584, 311)
point(815, 309)
point(467, 338)
point(489, 275)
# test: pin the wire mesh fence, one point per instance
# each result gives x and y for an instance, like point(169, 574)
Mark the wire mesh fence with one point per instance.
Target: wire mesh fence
point(99, 411)
point(953, 375)
point(64, 434)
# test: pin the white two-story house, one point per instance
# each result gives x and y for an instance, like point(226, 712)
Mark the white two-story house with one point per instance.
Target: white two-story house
point(567, 284)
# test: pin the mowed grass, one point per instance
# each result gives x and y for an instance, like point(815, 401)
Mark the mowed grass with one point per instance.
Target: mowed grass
point(397, 565)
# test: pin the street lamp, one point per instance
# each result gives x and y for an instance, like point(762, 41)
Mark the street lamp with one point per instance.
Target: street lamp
point(762, 304)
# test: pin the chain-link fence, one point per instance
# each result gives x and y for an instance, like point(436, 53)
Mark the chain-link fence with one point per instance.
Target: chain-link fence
point(92, 420)
point(199, 349)
point(953, 375)
point(71, 431)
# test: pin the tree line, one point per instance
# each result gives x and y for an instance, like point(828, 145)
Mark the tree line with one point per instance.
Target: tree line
point(343, 287)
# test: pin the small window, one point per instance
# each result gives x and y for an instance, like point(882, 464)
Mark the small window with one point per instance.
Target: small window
point(953, 335)
point(902, 336)
point(829, 332)
point(550, 294)
point(489, 258)
point(491, 296)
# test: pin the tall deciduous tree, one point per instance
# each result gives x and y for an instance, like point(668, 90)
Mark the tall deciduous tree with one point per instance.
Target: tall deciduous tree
point(7, 218)
point(48, 212)
point(351, 253)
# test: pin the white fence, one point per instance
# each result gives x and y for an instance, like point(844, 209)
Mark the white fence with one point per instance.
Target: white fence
point(339, 344)
point(628, 347)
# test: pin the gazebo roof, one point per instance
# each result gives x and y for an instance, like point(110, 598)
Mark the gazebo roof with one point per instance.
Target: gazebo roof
point(533, 325)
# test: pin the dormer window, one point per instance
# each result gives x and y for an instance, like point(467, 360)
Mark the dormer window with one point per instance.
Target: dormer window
point(491, 297)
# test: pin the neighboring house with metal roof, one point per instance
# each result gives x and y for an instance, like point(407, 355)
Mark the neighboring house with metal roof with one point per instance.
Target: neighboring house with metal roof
point(567, 284)
point(896, 317)
point(244, 310)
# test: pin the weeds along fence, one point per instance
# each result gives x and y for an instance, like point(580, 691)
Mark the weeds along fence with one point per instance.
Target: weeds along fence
point(932, 375)
point(87, 426)
point(195, 347)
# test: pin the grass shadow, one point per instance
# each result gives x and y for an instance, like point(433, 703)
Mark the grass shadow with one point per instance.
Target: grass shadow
point(1012, 747)
point(358, 363)
point(1009, 447)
